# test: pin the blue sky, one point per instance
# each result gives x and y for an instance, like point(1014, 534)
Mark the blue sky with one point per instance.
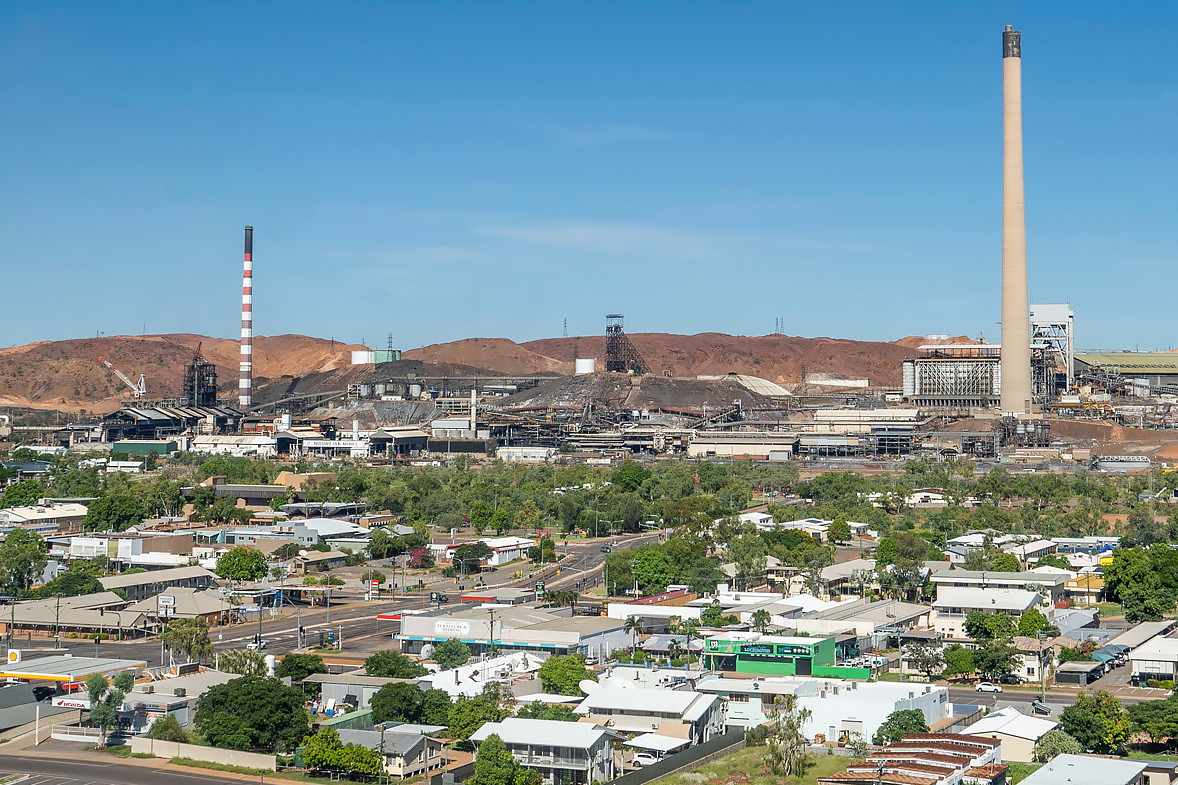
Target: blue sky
point(445, 170)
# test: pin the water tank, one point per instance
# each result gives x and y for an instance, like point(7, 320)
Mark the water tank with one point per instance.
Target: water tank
point(415, 391)
point(585, 365)
point(270, 660)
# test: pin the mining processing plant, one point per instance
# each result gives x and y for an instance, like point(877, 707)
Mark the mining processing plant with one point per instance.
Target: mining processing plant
point(1021, 401)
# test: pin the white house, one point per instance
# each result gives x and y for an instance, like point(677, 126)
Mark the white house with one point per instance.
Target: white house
point(1018, 732)
point(836, 707)
point(642, 710)
point(564, 753)
point(503, 550)
point(953, 604)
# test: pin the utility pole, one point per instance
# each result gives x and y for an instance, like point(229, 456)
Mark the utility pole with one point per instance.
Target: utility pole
point(57, 624)
point(491, 636)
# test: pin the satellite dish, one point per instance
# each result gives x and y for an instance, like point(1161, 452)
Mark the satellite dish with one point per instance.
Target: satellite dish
point(588, 686)
point(427, 651)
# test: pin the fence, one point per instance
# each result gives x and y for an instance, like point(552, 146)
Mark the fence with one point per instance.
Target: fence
point(688, 759)
point(171, 749)
point(76, 733)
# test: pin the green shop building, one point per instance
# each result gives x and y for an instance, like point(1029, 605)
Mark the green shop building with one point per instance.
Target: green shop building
point(776, 655)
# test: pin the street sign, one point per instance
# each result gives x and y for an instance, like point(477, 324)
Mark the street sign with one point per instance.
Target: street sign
point(374, 582)
point(167, 601)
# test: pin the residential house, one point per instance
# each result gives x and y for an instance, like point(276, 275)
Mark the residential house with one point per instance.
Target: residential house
point(642, 710)
point(1048, 583)
point(405, 754)
point(564, 753)
point(1018, 732)
point(954, 604)
point(837, 708)
point(186, 603)
point(313, 561)
point(1070, 769)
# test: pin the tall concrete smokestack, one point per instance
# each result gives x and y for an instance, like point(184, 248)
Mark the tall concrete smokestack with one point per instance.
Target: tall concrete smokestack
point(1016, 320)
point(245, 384)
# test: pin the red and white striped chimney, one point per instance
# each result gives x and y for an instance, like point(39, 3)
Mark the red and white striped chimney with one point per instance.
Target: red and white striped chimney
point(245, 384)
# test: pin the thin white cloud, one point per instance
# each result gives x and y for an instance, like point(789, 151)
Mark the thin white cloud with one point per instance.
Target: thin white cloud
point(609, 238)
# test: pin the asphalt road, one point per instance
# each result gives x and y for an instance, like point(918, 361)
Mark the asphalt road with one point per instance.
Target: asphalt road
point(352, 617)
point(51, 771)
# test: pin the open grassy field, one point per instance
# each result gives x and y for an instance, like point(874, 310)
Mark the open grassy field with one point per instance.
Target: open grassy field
point(748, 766)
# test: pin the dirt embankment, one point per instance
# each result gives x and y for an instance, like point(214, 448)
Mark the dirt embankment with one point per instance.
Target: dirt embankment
point(780, 358)
point(67, 375)
point(497, 354)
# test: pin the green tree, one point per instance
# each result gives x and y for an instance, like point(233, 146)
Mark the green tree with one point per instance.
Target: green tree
point(926, 658)
point(190, 636)
point(250, 712)
point(633, 627)
point(389, 664)
point(500, 522)
point(629, 476)
point(1053, 560)
point(435, 707)
point(106, 699)
point(885, 552)
point(71, 584)
point(1097, 721)
point(1055, 742)
point(23, 557)
point(22, 494)
point(785, 737)
point(761, 619)
point(749, 553)
point(494, 763)
point(1006, 562)
point(469, 556)
point(114, 512)
point(469, 714)
point(899, 725)
point(1034, 622)
point(299, 666)
point(996, 657)
point(539, 710)
point(241, 564)
point(399, 701)
point(1156, 719)
point(243, 662)
point(451, 654)
point(325, 752)
point(959, 661)
point(563, 675)
point(168, 728)
point(839, 532)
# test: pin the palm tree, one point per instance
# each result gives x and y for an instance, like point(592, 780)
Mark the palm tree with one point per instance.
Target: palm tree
point(761, 619)
point(690, 629)
point(634, 628)
point(674, 650)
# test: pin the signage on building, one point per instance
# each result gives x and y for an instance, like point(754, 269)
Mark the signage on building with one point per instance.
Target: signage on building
point(757, 648)
point(167, 601)
point(451, 628)
point(71, 703)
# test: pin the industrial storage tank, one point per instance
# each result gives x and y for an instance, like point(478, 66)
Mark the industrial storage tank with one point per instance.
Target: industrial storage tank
point(585, 365)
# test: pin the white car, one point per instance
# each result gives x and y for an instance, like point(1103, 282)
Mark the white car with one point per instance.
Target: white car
point(643, 759)
point(987, 686)
point(256, 645)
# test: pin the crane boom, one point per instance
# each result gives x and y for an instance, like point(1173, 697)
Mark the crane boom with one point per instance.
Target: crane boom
point(138, 390)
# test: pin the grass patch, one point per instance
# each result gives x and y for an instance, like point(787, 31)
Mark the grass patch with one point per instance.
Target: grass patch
point(1020, 771)
point(204, 764)
point(751, 762)
point(1143, 755)
point(892, 676)
point(121, 751)
point(1110, 609)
